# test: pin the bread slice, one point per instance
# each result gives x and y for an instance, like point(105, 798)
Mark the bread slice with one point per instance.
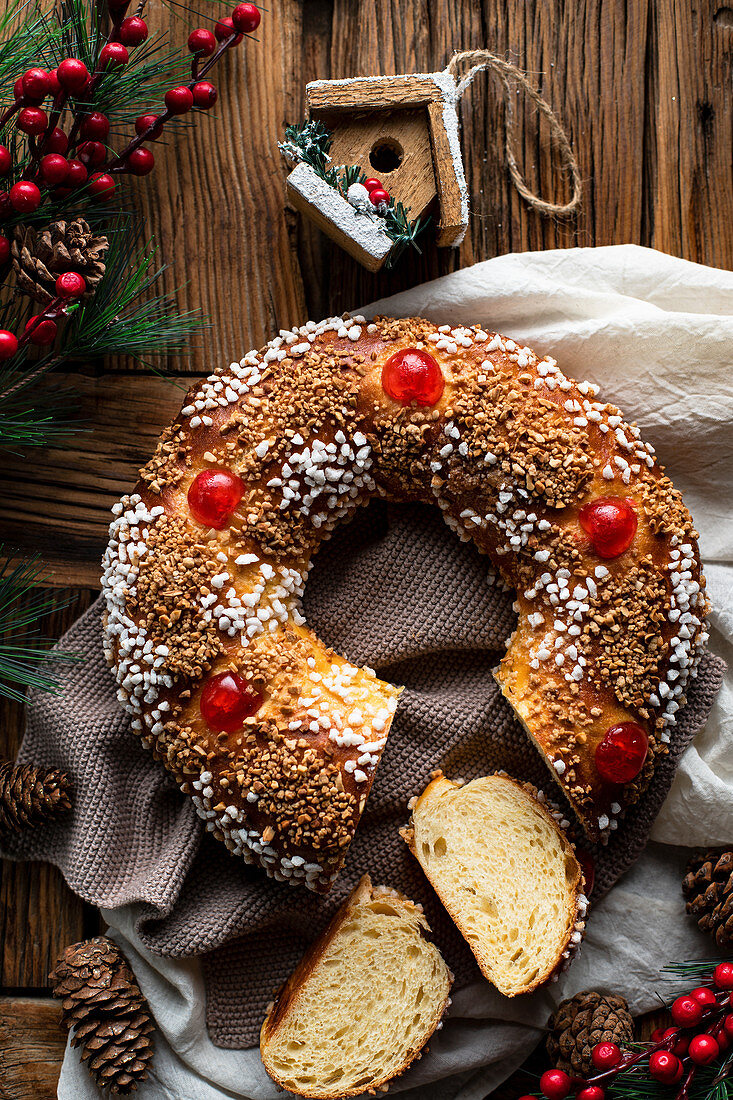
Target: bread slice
point(506, 873)
point(361, 1004)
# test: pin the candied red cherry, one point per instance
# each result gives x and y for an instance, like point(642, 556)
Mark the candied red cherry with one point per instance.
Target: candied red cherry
point(621, 754)
point(605, 1056)
point(213, 496)
point(413, 375)
point(610, 523)
point(588, 867)
point(226, 700)
point(665, 1067)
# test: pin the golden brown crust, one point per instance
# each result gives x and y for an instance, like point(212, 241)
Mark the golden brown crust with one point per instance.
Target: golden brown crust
point(509, 453)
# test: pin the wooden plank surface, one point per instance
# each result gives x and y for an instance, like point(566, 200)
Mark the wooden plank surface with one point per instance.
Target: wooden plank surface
point(32, 1044)
point(644, 89)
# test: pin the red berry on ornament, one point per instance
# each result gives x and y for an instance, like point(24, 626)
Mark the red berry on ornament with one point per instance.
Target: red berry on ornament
point(73, 75)
point(95, 126)
point(102, 187)
point(8, 344)
point(373, 185)
point(704, 995)
point(605, 1055)
point(25, 197)
point(32, 120)
point(70, 285)
point(56, 142)
point(201, 41)
point(76, 174)
point(610, 523)
point(703, 1050)
point(4, 250)
point(6, 160)
point(378, 196)
point(42, 333)
point(665, 1067)
point(112, 55)
point(590, 1092)
point(213, 496)
point(92, 153)
point(140, 162)
point(686, 1011)
point(621, 754)
point(179, 100)
point(555, 1084)
point(36, 84)
point(224, 29)
point(143, 124)
point(413, 375)
point(226, 700)
point(133, 31)
point(681, 1043)
point(54, 168)
point(204, 95)
point(246, 18)
point(723, 975)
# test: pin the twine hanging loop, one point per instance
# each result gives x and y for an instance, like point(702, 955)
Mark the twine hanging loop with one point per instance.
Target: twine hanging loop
point(484, 59)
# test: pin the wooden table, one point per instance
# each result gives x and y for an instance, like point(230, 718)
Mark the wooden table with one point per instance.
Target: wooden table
point(644, 89)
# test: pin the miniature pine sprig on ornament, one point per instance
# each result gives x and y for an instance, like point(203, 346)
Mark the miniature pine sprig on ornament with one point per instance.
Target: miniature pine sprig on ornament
point(691, 1060)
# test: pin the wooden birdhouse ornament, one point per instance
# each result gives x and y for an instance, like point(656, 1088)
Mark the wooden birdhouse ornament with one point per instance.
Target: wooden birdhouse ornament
point(375, 159)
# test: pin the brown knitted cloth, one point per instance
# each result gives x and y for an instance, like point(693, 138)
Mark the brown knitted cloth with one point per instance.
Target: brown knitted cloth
point(395, 590)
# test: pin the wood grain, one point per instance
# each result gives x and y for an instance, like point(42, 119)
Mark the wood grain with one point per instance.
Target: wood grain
point(644, 91)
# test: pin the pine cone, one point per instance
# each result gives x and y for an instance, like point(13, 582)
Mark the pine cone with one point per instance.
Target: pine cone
point(583, 1021)
point(104, 1005)
point(40, 257)
point(30, 795)
point(708, 888)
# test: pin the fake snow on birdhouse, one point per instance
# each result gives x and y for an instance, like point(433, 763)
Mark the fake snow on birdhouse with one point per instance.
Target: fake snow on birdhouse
point(377, 160)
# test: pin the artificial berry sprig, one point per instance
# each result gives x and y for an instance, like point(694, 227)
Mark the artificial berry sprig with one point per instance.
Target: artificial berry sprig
point(702, 1031)
point(41, 329)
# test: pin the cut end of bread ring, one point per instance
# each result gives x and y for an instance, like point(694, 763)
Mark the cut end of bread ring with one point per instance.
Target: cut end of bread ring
point(362, 1003)
point(276, 738)
point(506, 873)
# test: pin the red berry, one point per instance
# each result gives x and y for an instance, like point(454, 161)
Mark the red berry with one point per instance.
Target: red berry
point(201, 41)
point(32, 120)
point(6, 160)
point(77, 173)
point(226, 700)
point(179, 100)
point(703, 1049)
point(213, 496)
point(413, 375)
point(621, 754)
point(588, 867)
point(56, 142)
point(686, 1011)
point(728, 1025)
point(658, 1033)
point(610, 523)
point(70, 285)
point(73, 75)
point(25, 197)
point(8, 344)
point(43, 333)
point(6, 206)
point(117, 5)
point(102, 187)
point(92, 153)
point(373, 185)
point(112, 55)
point(225, 29)
point(590, 1092)
point(605, 1055)
point(378, 196)
point(681, 1043)
point(54, 168)
point(18, 88)
point(204, 95)
point(4, 250)
point(143, 124)
point(526, 1098)
point(555, 1084)
point(664, 1067)
point(140, 162)
point(723, 975)
point(246, 18)
point(95, 126)
point(133, 31)
point(36, 84)
point(704, 995)
point(53, 81)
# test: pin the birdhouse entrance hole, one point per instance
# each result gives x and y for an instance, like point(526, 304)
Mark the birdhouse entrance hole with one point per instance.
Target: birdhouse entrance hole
point(386, 155)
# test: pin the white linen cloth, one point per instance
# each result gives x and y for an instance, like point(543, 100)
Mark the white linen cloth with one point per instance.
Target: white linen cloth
point(656, 334)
